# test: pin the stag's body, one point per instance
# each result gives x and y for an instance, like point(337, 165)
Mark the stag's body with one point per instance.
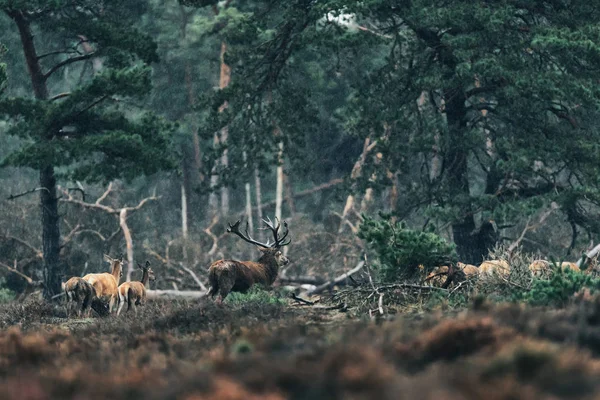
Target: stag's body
point(134, 293)
point(225, 276)
point(80, 292)
point(106, 284)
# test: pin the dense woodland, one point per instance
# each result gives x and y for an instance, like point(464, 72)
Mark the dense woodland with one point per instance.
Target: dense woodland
point(436, 163)
point(474, 121)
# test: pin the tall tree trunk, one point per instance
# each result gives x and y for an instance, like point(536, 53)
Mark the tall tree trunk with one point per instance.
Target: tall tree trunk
point(279, 188)
point(469, 247)
point(128, 243)
point(257, 188)
point(225, 78)
point(53, 269)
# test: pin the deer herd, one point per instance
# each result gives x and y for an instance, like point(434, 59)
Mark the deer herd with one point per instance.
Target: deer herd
point(227, 276)
point(224, 276)
point(492, 268)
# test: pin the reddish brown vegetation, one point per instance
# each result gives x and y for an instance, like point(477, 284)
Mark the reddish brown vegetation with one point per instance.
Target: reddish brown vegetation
point(181, 351)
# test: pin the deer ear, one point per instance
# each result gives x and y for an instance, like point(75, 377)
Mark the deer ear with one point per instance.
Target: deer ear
point(140, 266)
point(262, 249)
point(107, 258)
point(147, 264)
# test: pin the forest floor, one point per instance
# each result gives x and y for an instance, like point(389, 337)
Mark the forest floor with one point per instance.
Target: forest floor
point(254, 350)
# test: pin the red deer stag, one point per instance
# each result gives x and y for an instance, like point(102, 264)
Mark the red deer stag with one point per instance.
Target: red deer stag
point(107, 285)
point(225, 276)
point(134, 293)
point(78, 291)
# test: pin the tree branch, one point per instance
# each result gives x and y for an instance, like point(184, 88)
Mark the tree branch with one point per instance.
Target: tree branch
point(15, 196)
point(68, 61)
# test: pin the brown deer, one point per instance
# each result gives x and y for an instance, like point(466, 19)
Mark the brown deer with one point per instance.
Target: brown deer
point(225, 276)
point(134, 293)
point(78, 291)
point(107, 285)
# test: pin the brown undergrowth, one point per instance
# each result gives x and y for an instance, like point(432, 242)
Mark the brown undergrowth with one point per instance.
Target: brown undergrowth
point(273, 351)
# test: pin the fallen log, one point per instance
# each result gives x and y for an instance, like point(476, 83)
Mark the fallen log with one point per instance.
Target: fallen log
point(178, 294)
point(339, 279)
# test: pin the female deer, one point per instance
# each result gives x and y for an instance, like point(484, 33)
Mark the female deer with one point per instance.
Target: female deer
point(79, 292)
point(106, 285)
point(230, 275)
point(134, 293)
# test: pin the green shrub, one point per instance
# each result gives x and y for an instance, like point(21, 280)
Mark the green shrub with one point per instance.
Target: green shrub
point(256, 294)
point(6, 295)
point(399, 251)
point(558, 290)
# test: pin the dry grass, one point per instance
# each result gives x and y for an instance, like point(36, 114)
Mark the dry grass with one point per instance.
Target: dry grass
point(274, 351)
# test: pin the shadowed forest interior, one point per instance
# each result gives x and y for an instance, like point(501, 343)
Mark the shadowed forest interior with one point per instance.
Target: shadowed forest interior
point(302, 199)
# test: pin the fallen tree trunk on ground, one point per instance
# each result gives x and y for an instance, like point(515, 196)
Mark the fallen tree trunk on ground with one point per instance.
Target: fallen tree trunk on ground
point(177, 294)
point(341, 278)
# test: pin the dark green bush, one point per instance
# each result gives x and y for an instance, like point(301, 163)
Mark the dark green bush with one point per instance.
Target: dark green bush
point(559, 289)
point(399, 251)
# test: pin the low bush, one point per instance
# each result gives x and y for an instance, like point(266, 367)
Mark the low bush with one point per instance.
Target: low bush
point(399, 251)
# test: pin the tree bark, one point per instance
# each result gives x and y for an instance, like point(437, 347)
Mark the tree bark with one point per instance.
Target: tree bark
point(279, 188)
point(128, 243)
point(53, 269)
point(259, 205)
point(471, 245)
point(225, 78)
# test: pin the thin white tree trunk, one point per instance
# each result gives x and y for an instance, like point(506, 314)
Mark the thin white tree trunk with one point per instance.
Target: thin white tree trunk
point(248, 200)
point(128, 242)
point(279, 189)
point(184, 216)
point(257, 188)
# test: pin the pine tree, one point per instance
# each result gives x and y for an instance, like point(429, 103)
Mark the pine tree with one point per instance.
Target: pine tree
point(86, 133)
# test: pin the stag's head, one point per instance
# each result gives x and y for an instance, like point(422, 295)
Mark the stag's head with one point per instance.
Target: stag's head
point(275, 253)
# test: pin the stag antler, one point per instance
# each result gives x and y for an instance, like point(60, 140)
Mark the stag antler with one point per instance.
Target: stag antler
point(279, 241)
point(235, 228)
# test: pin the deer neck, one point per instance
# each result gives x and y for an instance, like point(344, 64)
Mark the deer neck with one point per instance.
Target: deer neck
point(271, 267)
point(116, 272)
point(145, 277)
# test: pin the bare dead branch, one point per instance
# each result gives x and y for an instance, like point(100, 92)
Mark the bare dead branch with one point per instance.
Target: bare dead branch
point(194, 276)
point(14, 270)
point(38, 253)
point(337, 280)
point(60, 96)
point(15, 196)
point(301, 300)
point(105, 194)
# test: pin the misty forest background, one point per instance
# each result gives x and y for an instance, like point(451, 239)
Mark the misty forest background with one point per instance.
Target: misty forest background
point(160, 122)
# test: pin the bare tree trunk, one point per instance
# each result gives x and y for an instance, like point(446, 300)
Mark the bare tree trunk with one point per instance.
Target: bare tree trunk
point(279, 189)
point(224, 80)
point(184, 212)
point(289, 194)
point(248, 199)
point(128, 242)
point(257, 188)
